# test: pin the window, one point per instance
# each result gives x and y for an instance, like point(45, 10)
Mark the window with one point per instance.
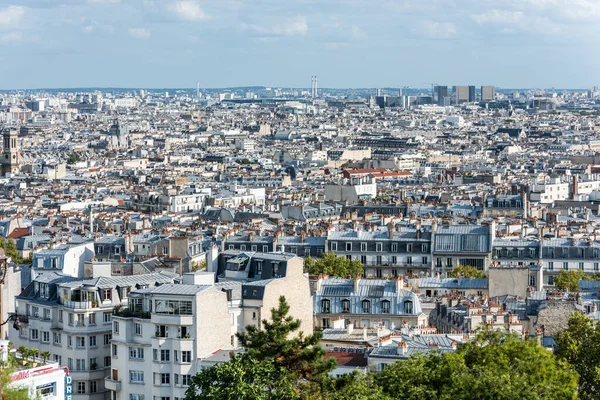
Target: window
point(470, 242)
point(106, 294)
point(325, 323)
point(161, 355)
point(325, 306)
point(531, 253)
point(80, 364)
point(92, 319)
point(136, 376)
point(243, 247)
point(531, 280)
point(348, 246)
point(107, 317)
point(385, 306)
point(409, 260)
point(275, 269)
point(423, 248)
point(394, 260)
point(550, 280)
point(93, 364)
point(379, 247)
point(46, 314)
point(449, 262)
point(45, 337)
point(136, 396)
point(116, 327)
point(173, 307)
point(366, 306)
point(348, 257)
point(395, 273)
point(137, 329)
point(57, 337)
point(566, 265)
point(259, 266)
point(345, 305)
point(70, 341)
point(70, 363)
point(34, 334)
point(565, 252)
point(581, 266)
point(409, 248)
point(93, 386)
point(92, 341)
point(596, 266)
point(595, 253)
point(265, 249)
point(60, 316)
point(550, 266)
point(186, 380)
point(81, 387)
point(107, 361)
point(136, 353)
point(408, 307)
point(162, 331)
point(394, 247)
point(164, 379)
point(186, 356)
point(107, 338)
point(333, 246)
point(363, 247)
point(114, 350)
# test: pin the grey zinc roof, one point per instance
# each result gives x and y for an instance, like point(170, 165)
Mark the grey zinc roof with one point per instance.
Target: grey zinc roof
point(114, 281)
point(179, 289)
point(404, 234)
point(454, 283)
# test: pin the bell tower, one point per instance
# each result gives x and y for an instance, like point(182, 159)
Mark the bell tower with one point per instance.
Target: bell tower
point(10, 152)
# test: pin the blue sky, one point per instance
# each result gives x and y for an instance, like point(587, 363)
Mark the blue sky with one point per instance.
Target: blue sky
point(349, 43)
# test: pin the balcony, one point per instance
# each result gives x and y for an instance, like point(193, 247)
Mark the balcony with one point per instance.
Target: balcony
point(77, 305)
point(109, 384)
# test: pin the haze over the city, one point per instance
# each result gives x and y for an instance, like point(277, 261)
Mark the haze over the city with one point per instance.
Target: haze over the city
point(358, 43)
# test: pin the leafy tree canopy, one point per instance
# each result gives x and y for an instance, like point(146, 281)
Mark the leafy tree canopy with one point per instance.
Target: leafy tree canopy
point(333, 265)
point(569, 280)
point(464, 271)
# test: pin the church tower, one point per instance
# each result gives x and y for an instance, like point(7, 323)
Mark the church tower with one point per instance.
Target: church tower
point(10, 152)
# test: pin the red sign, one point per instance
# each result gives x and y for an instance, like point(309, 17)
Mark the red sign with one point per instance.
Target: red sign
point(20, 375)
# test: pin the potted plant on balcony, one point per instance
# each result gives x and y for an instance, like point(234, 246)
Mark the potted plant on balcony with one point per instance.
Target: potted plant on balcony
point(45, 356)
point(94, 303)
point(94, 366)
point(34, 353)
point(24, 352)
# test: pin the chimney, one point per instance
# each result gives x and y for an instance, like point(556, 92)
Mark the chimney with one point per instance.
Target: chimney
point(399, 284)
point(365, 333)
point(434, 225)
point(402, 348)
point(356, 281)
point(350, 328)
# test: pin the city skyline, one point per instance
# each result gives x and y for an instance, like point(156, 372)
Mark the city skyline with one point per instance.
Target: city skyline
point(145, 43)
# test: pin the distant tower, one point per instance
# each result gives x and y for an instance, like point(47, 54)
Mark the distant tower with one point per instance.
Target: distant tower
point(10, 156)
point(312, 86)
point(316, 87)
point(197, 89)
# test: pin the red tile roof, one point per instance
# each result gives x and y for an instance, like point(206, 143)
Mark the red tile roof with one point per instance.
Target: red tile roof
point(18, 233)
point(347, 359)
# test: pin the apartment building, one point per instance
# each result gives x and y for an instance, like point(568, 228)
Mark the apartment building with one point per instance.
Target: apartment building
point(72, 319)
point(68, 259)
point(366, 303)
point(160, 340)
point(385, 253)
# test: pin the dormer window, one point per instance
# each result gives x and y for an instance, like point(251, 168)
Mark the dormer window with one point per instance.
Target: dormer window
point(366, 306)
point(106, 294)
point(325, 306)
point(408, 307)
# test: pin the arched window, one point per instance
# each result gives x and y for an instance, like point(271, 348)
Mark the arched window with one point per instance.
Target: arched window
point(366, 306)
point(408, 307)
point(345, 305)
point(385, 306)
point(325, 306)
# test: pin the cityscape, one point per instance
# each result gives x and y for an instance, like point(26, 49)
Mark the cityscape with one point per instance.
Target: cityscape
point(414, 221)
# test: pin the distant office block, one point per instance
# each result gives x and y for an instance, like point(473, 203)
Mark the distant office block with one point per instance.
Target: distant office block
point(461, 94)
point(488, 93)
point(472, 96)
point(440, 95)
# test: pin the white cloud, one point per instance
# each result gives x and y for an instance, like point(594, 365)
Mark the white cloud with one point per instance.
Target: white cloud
point(499, 17)
point(358, 33)
point(139, 33)
point(435, 30)
point(11, 15)
point(188, 10)
point(296, 26)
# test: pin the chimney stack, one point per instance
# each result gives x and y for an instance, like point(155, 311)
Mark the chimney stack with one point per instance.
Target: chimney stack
point(356, 281)
point(350, 328)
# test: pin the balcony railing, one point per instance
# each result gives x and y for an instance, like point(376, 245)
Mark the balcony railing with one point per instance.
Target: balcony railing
point(77, 305)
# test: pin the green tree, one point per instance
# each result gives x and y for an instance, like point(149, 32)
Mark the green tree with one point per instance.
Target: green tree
point(333, 265)
point(243, 378)
point(495, 365)
point(279, 362)
point(579, 345)
point(9, 390)
point(569, 280)
point(465, 271)
point(73, 158)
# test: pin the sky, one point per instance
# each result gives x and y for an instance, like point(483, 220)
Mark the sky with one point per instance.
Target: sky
point(281, 43)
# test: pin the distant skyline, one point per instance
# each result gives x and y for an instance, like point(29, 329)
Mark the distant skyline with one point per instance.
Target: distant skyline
point(348, 44)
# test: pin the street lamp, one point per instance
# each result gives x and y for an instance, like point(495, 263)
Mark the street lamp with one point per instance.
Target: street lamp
point(16, 324)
